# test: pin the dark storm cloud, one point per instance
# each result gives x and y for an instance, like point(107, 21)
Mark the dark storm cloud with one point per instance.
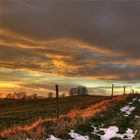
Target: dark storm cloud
point(16, 57)
point(110, 71)
point(37, 35)
point(111, 25)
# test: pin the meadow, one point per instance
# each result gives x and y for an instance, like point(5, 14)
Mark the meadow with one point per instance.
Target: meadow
point(20, 112)
point(81, 118)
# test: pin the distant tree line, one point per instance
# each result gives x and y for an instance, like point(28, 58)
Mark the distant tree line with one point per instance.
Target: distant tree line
point(22, 95)
point(80, 90)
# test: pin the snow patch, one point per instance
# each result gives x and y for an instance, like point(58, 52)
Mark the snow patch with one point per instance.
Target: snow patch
point(127, 110)
point(77, 136)
point(74, 136)
point(112, 132)
point(53, 138)
point(130, 103)
point(137, 117)
point(134, 99)
point(130, 134)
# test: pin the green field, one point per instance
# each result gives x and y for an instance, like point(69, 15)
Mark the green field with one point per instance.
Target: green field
point(20, 112)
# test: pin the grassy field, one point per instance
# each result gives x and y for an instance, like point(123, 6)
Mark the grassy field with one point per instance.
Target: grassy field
point(89, 121)
point(21, 112)
point(77, 119)
point(113, 117)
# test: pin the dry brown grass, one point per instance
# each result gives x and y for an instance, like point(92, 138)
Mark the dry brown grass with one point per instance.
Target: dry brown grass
point(15, 113)
point(42, 128)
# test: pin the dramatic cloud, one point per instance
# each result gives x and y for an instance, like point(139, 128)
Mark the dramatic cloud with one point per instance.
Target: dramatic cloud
point(95, 40)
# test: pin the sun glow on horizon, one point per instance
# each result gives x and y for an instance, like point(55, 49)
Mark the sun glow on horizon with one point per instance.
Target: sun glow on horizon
point(8, 85)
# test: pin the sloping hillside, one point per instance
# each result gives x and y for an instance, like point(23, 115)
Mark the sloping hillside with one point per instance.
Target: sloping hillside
point(94, 122)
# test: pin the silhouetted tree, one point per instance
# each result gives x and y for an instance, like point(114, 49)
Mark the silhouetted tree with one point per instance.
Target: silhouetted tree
point(81, 90)
point(34, 96)
point(9, 96)
point(20, 95)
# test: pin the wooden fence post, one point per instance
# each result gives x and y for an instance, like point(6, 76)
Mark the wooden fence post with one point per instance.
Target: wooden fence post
point(57, 101)
point(124, 90)
point(112, 94)
point(131, 89)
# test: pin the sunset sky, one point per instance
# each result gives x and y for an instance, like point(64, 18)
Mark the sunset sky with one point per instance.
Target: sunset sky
point(70, 43)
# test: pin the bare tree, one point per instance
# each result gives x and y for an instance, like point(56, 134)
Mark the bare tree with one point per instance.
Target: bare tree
point(20, 95)
point(9, 96)
point(34, 96)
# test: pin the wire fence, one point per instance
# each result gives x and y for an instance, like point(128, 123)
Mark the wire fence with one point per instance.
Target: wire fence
point(102, 91)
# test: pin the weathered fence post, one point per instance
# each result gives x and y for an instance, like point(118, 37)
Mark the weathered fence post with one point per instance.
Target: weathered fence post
point(57, 101)
point(133, 91)
point(112, 94)
point(124, 90)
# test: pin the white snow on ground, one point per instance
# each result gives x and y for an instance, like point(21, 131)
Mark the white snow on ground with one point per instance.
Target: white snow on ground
point(107, 133)
point(127, 110)
point(77, 136)
point(74, 136)
point(53, 138)
point(137, 117)
point(130, 134)
point(134, 99)
point(112, 132)
point(130, 103)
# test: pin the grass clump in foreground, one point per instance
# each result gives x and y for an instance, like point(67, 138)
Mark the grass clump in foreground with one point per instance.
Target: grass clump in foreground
point(80, 120)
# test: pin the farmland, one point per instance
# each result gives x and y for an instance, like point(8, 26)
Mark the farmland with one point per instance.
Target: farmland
point(97, 118)
point(21, 112)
